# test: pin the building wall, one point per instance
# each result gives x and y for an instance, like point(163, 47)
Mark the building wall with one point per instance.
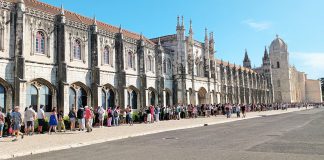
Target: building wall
point(313, 91)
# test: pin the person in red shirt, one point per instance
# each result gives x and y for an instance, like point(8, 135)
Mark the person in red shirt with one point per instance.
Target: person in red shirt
point(88, 117)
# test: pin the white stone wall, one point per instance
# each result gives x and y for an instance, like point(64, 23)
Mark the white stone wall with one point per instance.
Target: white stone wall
point(78, 75)
point(7, 70)
point(313, 91)
point(34, 71)
point(107, 78)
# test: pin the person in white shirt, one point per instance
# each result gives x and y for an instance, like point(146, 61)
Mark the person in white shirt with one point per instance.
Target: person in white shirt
point(30, 117)
point(41, 119)
point(101, 112)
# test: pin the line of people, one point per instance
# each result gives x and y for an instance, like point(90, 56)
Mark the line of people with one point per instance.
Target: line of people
point(86, 117)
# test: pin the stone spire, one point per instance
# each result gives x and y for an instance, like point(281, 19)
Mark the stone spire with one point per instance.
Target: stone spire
point(178, 22)
point(190, 29)
point(159, 42)
point(206, 35)
point(266, 55)
point(206, 42)
point(211, 43)
point(62, 10)
point(182, 22)
point(246, 61)
point(94, 20)
point(120, 29)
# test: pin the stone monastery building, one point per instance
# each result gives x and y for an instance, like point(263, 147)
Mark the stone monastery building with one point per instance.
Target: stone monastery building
point(57, 58)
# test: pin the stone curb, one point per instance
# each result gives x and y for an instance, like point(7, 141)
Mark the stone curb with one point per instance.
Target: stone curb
point(76, 145)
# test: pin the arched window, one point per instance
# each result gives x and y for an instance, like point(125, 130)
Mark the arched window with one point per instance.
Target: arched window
point(77, 49)
point(82, 98)
point(278, 65)
point(32, 96)
point(103, 98)
point(46, 98)
point(164, 66)
point(149, 63)
point(2, 98)
point(133, 99)
point(169, 65)
point(130, 59)
point(106, 55)
point(111, 98)
point(72, 98)
point(40, 42)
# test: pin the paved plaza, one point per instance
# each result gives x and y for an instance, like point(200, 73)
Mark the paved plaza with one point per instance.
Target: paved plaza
point(292, 136)
point(45, 143)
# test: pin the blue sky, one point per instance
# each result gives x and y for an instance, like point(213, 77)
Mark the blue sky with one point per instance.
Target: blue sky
point(237, 24)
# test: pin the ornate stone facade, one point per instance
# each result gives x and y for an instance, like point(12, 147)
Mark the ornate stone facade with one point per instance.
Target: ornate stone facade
point(56, 58)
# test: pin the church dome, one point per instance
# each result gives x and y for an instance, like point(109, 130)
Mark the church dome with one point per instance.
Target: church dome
point(278, 45)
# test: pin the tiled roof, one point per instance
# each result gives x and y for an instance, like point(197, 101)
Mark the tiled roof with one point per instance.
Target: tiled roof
point(35, 4)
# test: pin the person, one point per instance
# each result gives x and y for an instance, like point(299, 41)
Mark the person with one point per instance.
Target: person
point(30, 117)
point(152, 113)
point(148, 115)
point(243, 109)
point(80, 116)
point(41, 119)
point(53, 121)
point(109, 117)
point(8, 120)
point(16, 123)
point(101, 115)
point(157, 113)
point(116, 116)
point(72, 117)
point(92, 117)
point(227, 110)
point(87, 118)
point(130, 116)
point(238, 111)
point(2, 122)
point(25, 120)
point(124, 116)
point(61, 125)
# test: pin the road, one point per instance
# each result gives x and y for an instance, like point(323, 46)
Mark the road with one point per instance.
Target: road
point(292, 136)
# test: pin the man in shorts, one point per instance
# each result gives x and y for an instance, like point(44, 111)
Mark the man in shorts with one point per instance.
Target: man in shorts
point(16, 123)
point(30, 117)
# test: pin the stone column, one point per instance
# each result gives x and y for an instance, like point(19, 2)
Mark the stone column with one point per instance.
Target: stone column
point(211, 97)
point(188, 97)
point(164, 98)
point(66, 107)
point(19, 72)
point(126, 97)
point(196, 97)
point(146, 97)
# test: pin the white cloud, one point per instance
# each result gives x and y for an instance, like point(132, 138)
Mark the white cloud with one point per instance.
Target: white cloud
point(312, 63)
point(258, 26)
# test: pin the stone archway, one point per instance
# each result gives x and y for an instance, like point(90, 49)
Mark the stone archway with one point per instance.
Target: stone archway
point(45, 94)
point(133, 97)
point(6, 96)
point(168, 97)
point(109, 96)
point(82, 95)
point(152, 96)
point(202, 96)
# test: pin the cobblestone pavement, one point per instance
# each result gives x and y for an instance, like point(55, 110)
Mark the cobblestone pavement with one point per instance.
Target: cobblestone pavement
point(46, 143)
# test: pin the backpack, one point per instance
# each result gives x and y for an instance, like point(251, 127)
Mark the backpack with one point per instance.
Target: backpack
point(116, 113)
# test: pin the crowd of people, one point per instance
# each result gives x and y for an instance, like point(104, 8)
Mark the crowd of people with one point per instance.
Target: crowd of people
point(85, 118)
